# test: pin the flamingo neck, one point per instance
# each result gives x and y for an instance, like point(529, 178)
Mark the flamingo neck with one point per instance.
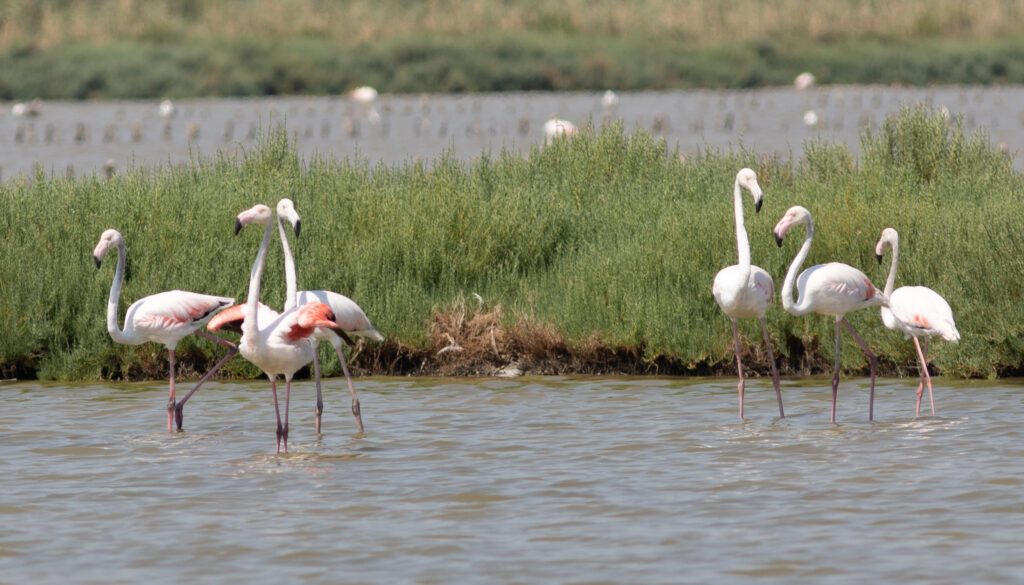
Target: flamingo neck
point(890, 281)
point(291, 292)
point(116, 333)
point(798, 308)
point(742, 243)
point(249, 324)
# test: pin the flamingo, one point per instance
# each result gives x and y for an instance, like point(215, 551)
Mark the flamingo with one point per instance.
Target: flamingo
point(828, 289)
point(556, 127)
point(917, 311)
point(277, 343)
point(743, 290)
point(348, 315)
point(165, 318)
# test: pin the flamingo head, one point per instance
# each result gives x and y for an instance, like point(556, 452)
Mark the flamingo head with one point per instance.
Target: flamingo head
point(108, 240)
point(795, 215)
point(286, 210)
point(747, 179)
point(260, 214)
point(889, 237)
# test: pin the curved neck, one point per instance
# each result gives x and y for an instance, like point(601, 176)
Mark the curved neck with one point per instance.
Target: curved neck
point(742, 244)
point(290, 299)
point(890, 282)
point(249, 324)
point(797, 308)
point(116, 333)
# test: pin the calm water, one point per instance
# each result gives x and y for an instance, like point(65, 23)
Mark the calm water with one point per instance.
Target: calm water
point(572, 480)
point(79, 137)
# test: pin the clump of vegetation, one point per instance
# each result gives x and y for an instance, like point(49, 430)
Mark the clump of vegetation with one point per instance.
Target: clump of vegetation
point(595, 254)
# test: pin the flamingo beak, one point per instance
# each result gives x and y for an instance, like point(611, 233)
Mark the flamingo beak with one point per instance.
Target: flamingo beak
point(879, 258)
point(778, 239)
point(298, 227)
point(238, 226)
point(97, 260)
point(757, 205)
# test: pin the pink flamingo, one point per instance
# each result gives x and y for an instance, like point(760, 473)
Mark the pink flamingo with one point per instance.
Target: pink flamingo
point(917, 311)
point(828, 289)
point(277, 343)
point(165, 318)
point(348, 315)
point(743, 290)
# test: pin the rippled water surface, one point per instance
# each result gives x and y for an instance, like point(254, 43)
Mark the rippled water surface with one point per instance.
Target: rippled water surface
point(574, 480)
point(79, 137)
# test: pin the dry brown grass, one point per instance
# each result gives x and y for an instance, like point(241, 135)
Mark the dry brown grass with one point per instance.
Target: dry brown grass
point(42, 24)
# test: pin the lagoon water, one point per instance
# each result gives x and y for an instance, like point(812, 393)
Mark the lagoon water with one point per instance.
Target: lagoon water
point(571, 480)
point(79, 137)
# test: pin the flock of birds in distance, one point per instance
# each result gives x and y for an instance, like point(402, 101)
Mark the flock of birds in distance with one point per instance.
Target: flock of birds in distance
point(282, 343)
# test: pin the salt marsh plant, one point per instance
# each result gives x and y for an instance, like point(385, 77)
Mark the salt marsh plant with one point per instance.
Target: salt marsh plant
point(593, 254)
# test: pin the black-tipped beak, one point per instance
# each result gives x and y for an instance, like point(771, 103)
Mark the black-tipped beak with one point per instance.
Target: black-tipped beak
point(97, 260)
point(879, 258)
point(298, 227)
point(778, 240)
point(238, 226)
point(757, 206)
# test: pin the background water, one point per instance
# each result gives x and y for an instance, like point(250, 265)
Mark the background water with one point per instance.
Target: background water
point(573, 480)
point(80, 137)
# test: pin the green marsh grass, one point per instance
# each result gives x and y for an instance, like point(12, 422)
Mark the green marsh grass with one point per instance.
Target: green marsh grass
point(603, 245)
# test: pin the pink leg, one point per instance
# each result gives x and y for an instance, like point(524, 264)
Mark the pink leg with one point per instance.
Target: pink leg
point(356, 410)
point(872, 361)
point(739, 363)
point(931, 399)
point(319, 395)
point(170, 399)
point(277, 411)
point(179, 412)
point(835, 378)
point(287, 400)
point(775, 371)
point(927, 377)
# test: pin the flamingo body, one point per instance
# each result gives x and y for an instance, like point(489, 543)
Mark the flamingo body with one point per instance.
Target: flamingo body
point(739, 299)
point(348, 315)
point(169, 317)
point(918, 311)
point(835, 289)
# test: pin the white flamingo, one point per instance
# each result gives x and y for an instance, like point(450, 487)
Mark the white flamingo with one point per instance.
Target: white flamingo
point(743, 290)
point(917, 311)
point(165, 318)
point(556, 128)
point(277, 343)
point(348, 315)
point(828, 289)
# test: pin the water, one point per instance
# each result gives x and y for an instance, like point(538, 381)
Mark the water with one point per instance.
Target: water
point(573, 480)
point(80, 137)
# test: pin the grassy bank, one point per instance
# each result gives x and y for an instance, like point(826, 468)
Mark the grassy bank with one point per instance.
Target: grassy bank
point(498, 62)
point(81, 49)
point(595, 254)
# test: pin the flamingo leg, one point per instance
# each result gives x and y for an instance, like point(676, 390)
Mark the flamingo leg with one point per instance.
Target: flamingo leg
point(927, 377)
point(931, 399)
point(319, 395)
point(771, 360)
point(179, 408)
point(356, 410)
point(835, 378)
point(170, 399)
point(287, 400)
point(739, 363)
point(872, 361)
point(277, 411)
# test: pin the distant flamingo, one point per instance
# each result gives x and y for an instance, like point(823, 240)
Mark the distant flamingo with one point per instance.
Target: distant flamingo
point(828, 289)
point(165, 318)
point(743, 290)
point(348, 315)
point(556, 128)
point(277, 343)
point(917, 311)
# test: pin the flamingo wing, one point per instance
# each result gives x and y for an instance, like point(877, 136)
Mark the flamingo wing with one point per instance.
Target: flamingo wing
point(921, 311)
point(168, 316)
point(837, 289)
point(231, 319)
point(347, 314)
